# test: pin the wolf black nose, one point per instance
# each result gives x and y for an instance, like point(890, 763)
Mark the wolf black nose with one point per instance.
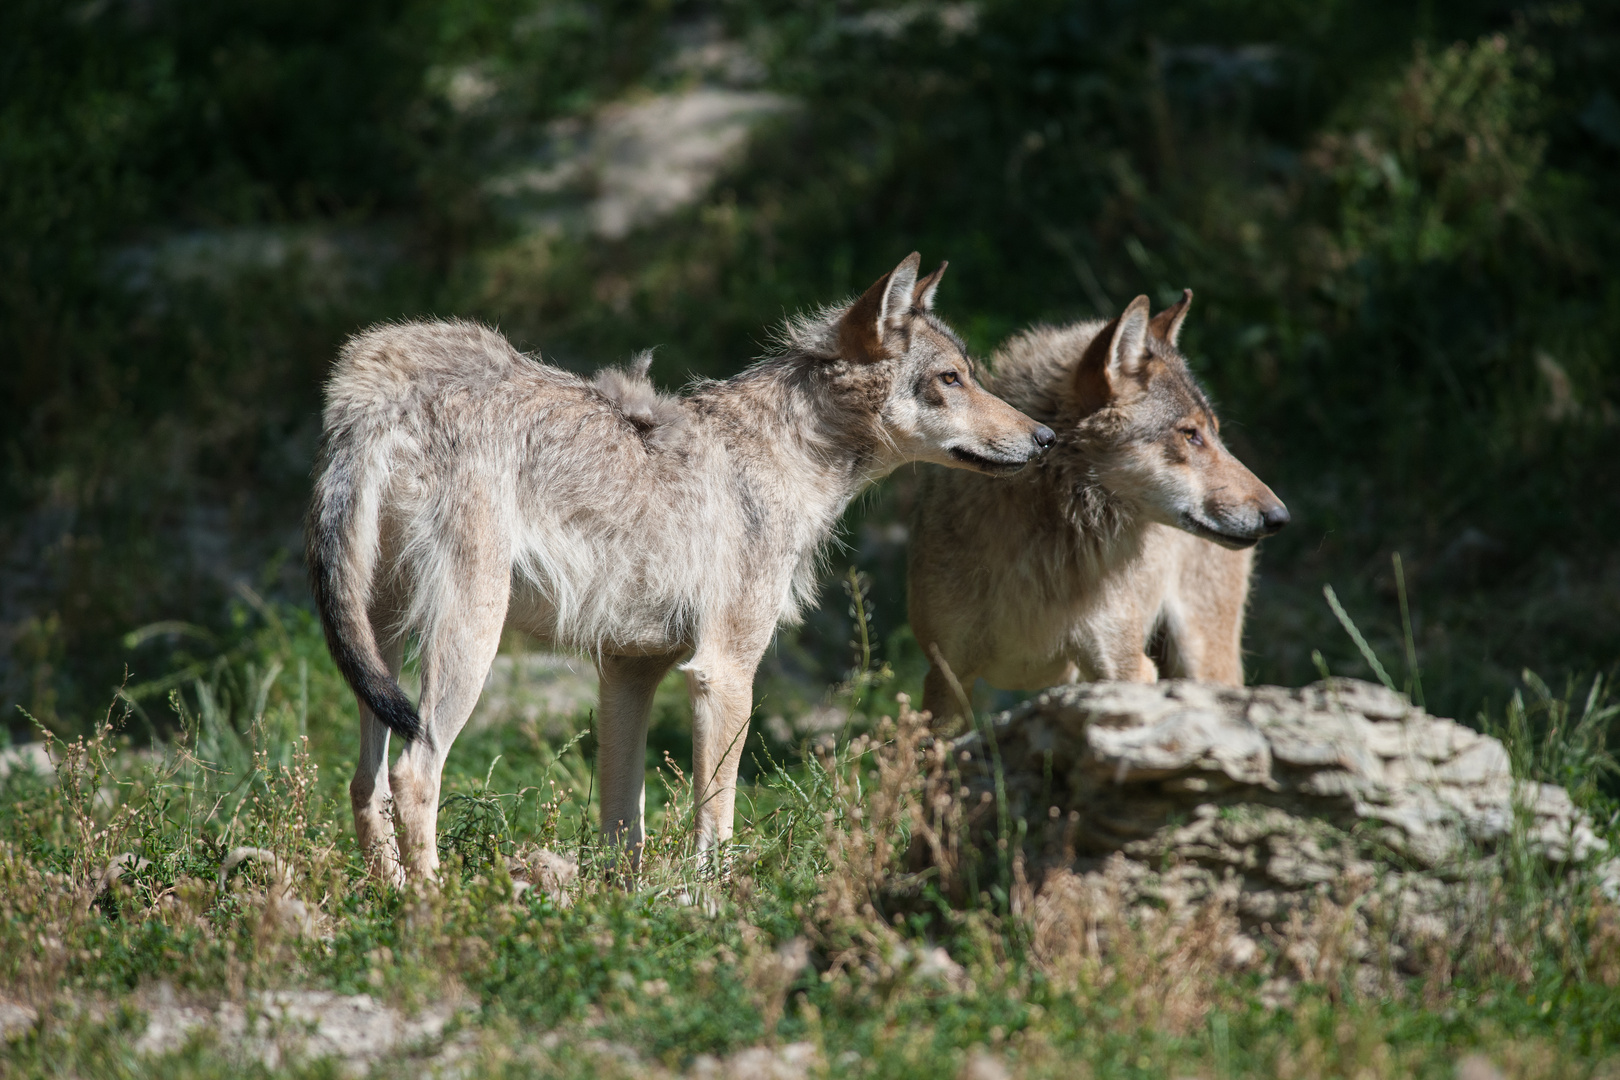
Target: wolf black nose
point(1045, 436)
point(1275, 517)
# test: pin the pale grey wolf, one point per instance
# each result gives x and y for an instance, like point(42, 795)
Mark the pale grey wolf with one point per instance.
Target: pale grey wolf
point(462, 486)
point(1124, 554)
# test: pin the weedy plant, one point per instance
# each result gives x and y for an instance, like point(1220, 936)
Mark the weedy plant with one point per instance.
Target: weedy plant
point(1522, 911)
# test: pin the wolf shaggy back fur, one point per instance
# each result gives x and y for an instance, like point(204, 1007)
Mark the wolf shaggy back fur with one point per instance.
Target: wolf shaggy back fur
point(436, 429)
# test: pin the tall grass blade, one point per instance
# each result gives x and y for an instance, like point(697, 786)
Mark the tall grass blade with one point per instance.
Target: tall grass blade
point(1413, 674)
point(1349, 625)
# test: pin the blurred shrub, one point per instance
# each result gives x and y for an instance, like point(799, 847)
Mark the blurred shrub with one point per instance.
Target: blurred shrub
point(1396, 219)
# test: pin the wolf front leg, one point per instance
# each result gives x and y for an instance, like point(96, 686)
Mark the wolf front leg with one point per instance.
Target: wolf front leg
point(722, 688)
point(1211, 593)
point(628, 684)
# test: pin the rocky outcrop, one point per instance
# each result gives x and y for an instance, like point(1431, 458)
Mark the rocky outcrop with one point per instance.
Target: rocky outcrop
point(289, 1027)
point(1266, 795)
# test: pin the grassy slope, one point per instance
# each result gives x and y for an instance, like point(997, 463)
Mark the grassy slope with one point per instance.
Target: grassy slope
point(684, 965)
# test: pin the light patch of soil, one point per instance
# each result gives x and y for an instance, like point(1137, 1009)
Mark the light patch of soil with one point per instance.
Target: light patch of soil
point(535, 688)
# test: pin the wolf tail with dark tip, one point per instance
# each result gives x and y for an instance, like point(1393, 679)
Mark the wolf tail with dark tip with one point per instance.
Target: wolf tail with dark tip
point(341, 545)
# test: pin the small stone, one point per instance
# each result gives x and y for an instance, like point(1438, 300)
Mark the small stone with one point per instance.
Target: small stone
point(1241, 952)
point(275, 1027)
point(983, 1065)
point(934, 965)
point(1477, 1067)
point(1276, 993)
point(795, 1061)
point(31, 757)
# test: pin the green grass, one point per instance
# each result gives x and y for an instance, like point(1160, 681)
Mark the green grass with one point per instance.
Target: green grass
point(686, 962)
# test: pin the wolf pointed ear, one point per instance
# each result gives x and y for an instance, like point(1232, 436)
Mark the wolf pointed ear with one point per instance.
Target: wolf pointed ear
point(1128, 347)
point(1166, 325)
point(922, 296)
point(1115, 353)
point(860, 332)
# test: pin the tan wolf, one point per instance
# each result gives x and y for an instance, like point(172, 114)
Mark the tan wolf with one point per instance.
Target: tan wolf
point(1134, 534)
point(462, 486)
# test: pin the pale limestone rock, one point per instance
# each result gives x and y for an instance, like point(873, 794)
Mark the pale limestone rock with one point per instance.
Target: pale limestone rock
point(983, 1065)
point(1478, 1067)
point(29, 757)
point(795, 1061)
point(16, 1018)
point(1340, 790)
point(287, 1026)
point(1134, 755)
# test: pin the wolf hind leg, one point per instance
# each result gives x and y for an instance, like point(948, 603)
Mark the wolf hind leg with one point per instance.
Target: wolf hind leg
point(457, 650)
point(627, 687)
point(369, 792)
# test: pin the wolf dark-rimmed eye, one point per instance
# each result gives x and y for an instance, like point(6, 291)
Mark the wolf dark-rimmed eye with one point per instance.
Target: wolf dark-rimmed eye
point(1193, 435)
point(950, 378)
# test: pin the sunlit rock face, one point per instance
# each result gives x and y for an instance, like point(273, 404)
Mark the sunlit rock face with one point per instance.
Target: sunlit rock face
point(1270, 801)
point(659, 155)
point(636, 162)
point(1131, 758)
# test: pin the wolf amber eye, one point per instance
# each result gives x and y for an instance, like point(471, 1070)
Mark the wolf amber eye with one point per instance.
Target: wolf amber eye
point(1193, 436)
point(950, 378)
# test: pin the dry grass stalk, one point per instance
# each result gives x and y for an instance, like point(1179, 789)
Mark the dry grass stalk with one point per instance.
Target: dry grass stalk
point(887, 837)
point(48, 910)
point(1166, 964)
point(88, 785)
point(770, 973)
point(1603, 941)
point(1319, 944)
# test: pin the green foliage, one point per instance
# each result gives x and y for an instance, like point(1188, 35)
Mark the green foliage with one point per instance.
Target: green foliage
point(200, 203)
point(1395, 219)
point(1551, 739)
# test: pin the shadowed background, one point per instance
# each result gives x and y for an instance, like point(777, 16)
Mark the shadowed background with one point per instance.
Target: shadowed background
point(1400, 222)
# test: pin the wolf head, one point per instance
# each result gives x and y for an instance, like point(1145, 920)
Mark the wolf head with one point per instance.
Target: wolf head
point(933, 407)
point(1153, 438)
